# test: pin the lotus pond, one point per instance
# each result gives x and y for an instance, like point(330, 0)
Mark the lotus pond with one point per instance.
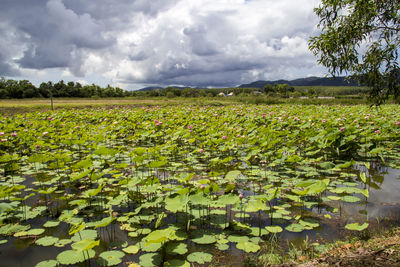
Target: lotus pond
point(175, 186)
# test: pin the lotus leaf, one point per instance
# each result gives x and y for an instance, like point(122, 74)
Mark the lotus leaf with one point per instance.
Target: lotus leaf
point(68, 257)
point(85, 244)
point(177, 263)
point(84, 234)
point(356, 226)
point(131, 249)
point(248, 247)
point(47, 241)
point(48, 263)
point(62, 242)
point(176, 248)
point(50, 224)
point(274, 229)
point(199, 257)
point(294, 227)
point(111, 258)
point(150, 260)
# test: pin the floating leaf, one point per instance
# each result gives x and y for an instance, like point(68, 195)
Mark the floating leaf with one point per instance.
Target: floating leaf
point(111, 258)
point(131, 249)
point(150, 259)
point(47, 263)
point(68, 257)
point(356, 226)
point(46, 241)
point(177, 263)
point(274, 229)
point(176, 248)
point(85, 244)
point(84, 234)
point(204, 239)
point(199, 257)
point(248, 247)
point(50, 224)
point(294, 227)
point(62, 242)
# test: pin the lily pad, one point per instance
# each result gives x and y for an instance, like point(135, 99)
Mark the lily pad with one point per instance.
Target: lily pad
point(274, 229)
point(131, 249)
point(50, 224)
point(68, 257)
point(248, 247)
point(176, 248)
point(62, 242)
point(111, 258)
point(177, 263)
point(46, 241)
point(199, 257)
point(204, 239)
point(150, 260)
point(47, 263)
point(84, 234)
point(356, 226)
point(294, 227)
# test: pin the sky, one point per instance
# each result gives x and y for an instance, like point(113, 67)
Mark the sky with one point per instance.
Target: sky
point(137, 43)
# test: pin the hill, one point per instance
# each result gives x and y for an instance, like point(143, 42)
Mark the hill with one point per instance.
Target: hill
point(310, 81)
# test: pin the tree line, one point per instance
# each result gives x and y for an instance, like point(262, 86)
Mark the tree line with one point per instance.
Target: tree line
point(25, 89)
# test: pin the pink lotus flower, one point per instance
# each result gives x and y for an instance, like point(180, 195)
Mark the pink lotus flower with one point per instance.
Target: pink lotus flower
point(323, 120)
point(37, 146)
point(224, 137)
point(397, 122)
point(4, 140)
point(201, 150)
point(342, 129)
point(1, 133)
point(240, 195)
point(45, 133)
point(190, 127)
point(377, 131)
point(14, 133)
point(202, 186)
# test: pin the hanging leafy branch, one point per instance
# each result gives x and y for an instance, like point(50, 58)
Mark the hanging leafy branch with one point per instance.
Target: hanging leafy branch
point(361, 38)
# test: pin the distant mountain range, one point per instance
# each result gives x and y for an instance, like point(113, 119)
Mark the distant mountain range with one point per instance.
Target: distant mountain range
point(310, 81)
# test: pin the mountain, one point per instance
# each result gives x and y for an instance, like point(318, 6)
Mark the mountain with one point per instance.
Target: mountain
point(150, 88)
point(310, 81)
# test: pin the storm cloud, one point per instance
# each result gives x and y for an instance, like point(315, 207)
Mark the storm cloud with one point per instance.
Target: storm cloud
point(163, 42)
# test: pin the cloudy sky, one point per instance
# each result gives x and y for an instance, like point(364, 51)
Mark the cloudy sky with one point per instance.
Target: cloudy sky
point(137, 43)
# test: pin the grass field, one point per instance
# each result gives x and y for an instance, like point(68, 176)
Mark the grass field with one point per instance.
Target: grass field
point(14, 106)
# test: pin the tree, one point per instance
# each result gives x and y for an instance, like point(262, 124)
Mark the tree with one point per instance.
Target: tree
point(361, 39)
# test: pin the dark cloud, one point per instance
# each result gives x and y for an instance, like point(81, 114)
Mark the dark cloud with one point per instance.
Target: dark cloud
point(198, 43)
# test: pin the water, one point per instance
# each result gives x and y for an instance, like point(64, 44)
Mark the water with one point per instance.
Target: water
point(381, 209)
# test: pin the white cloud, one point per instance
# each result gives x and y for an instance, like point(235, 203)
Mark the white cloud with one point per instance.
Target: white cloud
point(191, 42)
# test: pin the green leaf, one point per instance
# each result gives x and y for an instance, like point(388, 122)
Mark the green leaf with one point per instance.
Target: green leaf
point(111, 258)
point(294, 227)
point(76, 228)
point(199, 257)
point(274, 229)
point(50, 224)
point(356, 226)
point(47, 263)
point(46, 241)
point(85, 244)
point(69, 257)
point(131, 249)
point(150, 260)
point(248, 247)
point(104, 222)
point(176, 248)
